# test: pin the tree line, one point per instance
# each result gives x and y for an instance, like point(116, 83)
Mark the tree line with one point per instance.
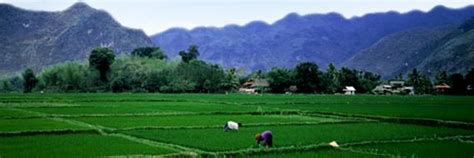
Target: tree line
point(307, 78)
point(148, 69)
point(145, 70)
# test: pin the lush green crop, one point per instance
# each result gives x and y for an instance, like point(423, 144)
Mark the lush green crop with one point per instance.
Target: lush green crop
point(326, 153)
point(34, 124)
point(433, 107)
point(216, 139)
point(409, 109)
point(194, 122)
point(199, 120)
point(84, 145)
point(430, 149)
point(6, 112)
point(145, 107)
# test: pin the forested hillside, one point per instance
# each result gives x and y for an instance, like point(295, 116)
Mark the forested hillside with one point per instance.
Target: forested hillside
point(399, 52)
point(429, 49)
point(454, 53)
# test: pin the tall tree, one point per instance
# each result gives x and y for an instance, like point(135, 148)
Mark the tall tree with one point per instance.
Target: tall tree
point(154, 81)
point(201, 76)
point(330, 79)
point(421, 83)
point(399, 77)
point(101, 59)
point(149, 52)
point(231, 81)
point(307, 77)
point(470, 77)
point(256, 75)
point(130, 77)
point(191, 54)
point(458, 84)
point(30, 80)
point(441, 77)
point(349, 77)
point(6, 87)
point(470, 80)
point(425, 86)
point(414, 79)
point(367, 81)
point(280, 79)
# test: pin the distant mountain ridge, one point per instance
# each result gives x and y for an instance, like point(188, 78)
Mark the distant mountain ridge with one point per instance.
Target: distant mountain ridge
point(454, 53)
point(34, 39)
point(429, 41)
point(321, 38)
point(398, 52)
point(428, 49)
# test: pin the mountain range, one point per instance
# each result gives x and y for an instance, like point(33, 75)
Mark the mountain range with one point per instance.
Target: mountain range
point(34, 39)
point(388, 43)
point(398, 52)
point(320, 38)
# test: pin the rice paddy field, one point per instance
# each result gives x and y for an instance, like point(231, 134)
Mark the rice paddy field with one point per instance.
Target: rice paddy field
point(191, 125)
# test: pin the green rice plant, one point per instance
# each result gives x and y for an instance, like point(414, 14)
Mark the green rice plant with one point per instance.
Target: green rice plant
point(37, 104)
point(80, 145)
point(143, 107)
point(217, 140)
point(63, 131)
point(432, 149)
point(34, 124)
point(198, 120)
point(324, 153)
point(195, 120)
point(6, 112)
point(431, 107)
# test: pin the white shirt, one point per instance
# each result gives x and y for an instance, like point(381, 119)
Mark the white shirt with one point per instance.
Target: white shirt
point(232, 125)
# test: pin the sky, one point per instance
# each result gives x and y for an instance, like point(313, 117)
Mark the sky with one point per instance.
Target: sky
point(154, 16)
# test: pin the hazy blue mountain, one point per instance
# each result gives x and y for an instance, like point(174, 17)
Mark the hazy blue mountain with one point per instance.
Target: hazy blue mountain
point(321, 38)
point(37, 38)
point(398, 52)
point(429, 49)
point(454, 53)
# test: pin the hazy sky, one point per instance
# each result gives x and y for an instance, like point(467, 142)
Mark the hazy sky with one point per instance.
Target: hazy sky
point(154, 16)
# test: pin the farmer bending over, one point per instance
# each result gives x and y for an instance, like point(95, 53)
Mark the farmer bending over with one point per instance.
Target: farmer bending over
point(265, 138)
point(231, 125)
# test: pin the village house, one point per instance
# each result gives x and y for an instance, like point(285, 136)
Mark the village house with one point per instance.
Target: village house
point(442, 88)
point(254, 86)
point(349, 90)
point(394, 87)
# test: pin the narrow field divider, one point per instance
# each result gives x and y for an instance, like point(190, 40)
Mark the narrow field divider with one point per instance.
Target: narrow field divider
point(402, 120)
point(421, 139)
point(72, 122)
point(246, 125)
point(316, 147)
point(262, 151)
point(159, 114)
point(368, 152)
point(49, 132)
point(153, 143)
point(99, 100)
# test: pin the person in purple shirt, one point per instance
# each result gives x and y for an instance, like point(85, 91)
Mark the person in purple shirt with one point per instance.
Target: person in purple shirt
point(266, 138)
